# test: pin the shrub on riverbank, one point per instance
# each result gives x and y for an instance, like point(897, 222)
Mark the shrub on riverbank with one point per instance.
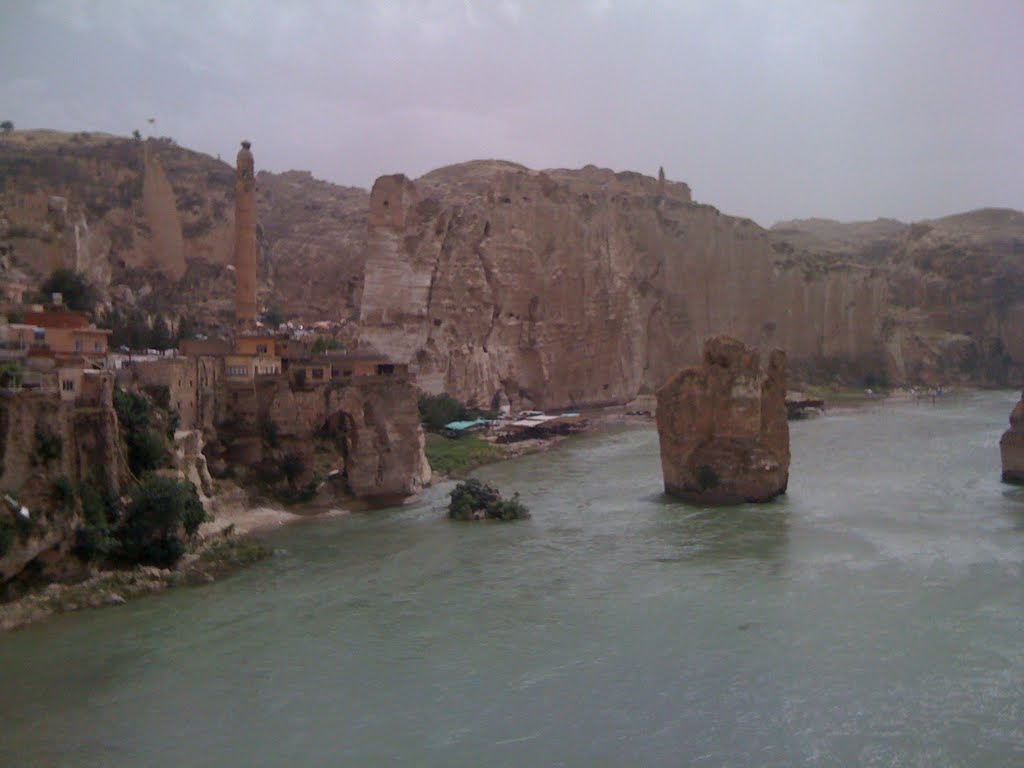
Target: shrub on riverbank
point(449, 456)
point(149, 530)
point(476, 500)
point(160, 509)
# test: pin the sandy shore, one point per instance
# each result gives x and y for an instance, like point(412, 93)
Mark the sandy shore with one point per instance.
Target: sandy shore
point(231, 512)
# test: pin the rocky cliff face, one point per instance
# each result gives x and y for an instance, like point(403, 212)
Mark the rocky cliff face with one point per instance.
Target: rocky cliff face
point(565, 288)
point(722, 427)
point(555, 287)
point(955, 290)
point(46, 448)
point(375, 428)
point(315, 238)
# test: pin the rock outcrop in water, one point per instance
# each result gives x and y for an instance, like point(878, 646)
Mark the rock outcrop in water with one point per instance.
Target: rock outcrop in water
point(722, 427)
point(1011, 447)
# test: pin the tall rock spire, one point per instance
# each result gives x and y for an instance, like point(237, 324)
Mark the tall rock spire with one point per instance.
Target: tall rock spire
point(245, 240)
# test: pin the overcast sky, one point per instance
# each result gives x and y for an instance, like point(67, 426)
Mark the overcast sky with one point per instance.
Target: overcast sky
point(771, 109)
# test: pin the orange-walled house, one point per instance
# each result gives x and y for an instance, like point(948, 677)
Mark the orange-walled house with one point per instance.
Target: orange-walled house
point(69, 333)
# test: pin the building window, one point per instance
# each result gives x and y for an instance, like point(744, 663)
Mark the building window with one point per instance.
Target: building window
point(97, 347)
point(261, 349)
point(318, 373)
point(385, 370)
point(78, 345)
point(68, 385)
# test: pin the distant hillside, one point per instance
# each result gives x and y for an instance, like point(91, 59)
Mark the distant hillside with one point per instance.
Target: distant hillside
point(151, 224)
point(554, 287)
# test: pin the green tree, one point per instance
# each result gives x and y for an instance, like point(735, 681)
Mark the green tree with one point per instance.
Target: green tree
point(146, 448)
point(160, 336)
point(160, 510)
point(6, 126)
point(476, 500)
point(273, 317)
point(438, 410)
point(325, 344)
point(10, 375)
point(186, 328)
point(77, 293)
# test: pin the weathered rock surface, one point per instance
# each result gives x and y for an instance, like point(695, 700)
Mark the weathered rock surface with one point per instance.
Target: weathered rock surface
point(45, 442)
point(565, 288)
point(190, 461)
point(551, 287)
point(151, 224)
point(376, 426)
point(723, 429)
point(1011, 447)
point(314, 234)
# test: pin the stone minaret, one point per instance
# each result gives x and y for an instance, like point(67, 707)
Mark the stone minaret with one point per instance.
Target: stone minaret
point(245, 240)
point(661, 181)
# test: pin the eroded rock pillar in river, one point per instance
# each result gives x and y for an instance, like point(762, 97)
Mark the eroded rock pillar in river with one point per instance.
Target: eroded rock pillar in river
point(722, 427)
point(1011, 447)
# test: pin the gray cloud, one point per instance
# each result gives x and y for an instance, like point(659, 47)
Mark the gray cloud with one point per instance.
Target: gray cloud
point(768, 109)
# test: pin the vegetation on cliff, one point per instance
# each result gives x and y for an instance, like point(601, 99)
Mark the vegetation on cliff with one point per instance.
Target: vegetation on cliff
point(153, 529)
point(76, 291)
point(146, 446)
point(476, 500)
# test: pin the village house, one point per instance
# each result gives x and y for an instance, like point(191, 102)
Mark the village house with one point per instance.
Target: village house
point(66, 332)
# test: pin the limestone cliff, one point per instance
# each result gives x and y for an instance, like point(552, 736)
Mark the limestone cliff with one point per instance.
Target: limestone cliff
point(48, 447)
point(315, 236)
point(722, 427)
point(564, 288)
point(955, 290)
point(367, 433)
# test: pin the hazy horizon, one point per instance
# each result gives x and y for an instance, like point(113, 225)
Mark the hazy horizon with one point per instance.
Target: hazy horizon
point(773, 111)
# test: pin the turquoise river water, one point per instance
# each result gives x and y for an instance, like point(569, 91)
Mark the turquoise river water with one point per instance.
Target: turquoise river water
point(872, 616)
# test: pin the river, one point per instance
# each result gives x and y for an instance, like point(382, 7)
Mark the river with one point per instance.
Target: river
point(872, 616)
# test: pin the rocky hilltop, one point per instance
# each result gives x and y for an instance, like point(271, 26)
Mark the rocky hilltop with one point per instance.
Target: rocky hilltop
point(554, 288)
point(150, 223)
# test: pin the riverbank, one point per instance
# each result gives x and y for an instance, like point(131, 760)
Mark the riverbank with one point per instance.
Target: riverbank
point(231, 540)
point(225, 544)
point(214, 557)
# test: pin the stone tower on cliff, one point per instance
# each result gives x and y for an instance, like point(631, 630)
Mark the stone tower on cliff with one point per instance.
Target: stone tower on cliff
point(245, 240)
